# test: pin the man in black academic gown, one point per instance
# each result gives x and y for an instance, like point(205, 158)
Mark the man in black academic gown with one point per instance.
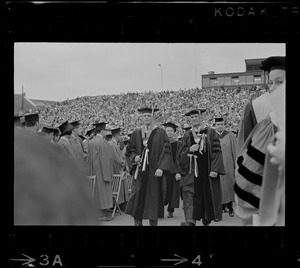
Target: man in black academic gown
point(150, 153)
point(228, 145)
point(200, 159)
point(173, 177)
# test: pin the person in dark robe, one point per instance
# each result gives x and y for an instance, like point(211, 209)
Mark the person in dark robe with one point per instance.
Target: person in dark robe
point(172, 177)
point(228, 146)
point(64, 142)
point(201, 160)
point(185, 127)
point(127, 153)
point(251, 158)
point(100, 163)
point(77, 143)
point(119, 165)
point(150, 155)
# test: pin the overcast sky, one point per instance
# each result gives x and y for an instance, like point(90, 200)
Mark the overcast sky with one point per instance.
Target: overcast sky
point(60, 71)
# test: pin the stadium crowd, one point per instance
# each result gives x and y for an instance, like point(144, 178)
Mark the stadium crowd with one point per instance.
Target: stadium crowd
point(121, 109)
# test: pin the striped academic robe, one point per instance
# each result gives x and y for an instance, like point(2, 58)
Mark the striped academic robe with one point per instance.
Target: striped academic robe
point(253, 112)
point(249, 170)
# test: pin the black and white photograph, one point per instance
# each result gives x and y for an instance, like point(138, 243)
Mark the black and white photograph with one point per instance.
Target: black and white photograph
point(149, 134)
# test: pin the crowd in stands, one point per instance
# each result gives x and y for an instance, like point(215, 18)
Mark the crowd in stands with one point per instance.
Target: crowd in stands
point(121, 109)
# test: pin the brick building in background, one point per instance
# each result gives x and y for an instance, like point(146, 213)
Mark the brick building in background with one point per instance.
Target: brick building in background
point(251, 77)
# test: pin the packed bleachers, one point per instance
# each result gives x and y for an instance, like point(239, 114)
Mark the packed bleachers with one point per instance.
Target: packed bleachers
point(122, 109)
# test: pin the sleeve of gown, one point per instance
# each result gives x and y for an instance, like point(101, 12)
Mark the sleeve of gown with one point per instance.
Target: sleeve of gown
point(177, 166)
point(106, 159)
point(183, 159)
point(247, 123)
point(90, 164)
point(119, 161)
point(132, 148)
point(165, 160)
point(217, 164)
point(233, 142)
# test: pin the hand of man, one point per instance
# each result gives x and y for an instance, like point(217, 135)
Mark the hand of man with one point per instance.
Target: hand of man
point(158, 173)
point(137, 158)
point(178, 176)
point(194, 148)
point(213, 174)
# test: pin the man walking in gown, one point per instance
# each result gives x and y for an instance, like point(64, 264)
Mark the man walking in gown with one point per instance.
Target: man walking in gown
point(228, 146)
point(200, 159)
point(150, 154)
point(173, 177)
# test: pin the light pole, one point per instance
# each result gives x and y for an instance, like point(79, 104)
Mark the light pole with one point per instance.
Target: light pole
point(162, 85)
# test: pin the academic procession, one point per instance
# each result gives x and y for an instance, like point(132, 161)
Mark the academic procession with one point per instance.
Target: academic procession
point(202, 168)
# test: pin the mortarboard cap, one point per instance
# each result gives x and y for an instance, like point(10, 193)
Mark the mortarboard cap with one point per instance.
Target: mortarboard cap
point(219, 119)
point(89, 132)
point(81, 137)
point(273, 63)
point(31, 119)
point(97, 123)
point(115, 130)
point(65, 126)
point(195, 111)
point(147, 110)
point(17, 119)
point(170, 124)
point(75, 123)
point(47, 129)
point(186, 126)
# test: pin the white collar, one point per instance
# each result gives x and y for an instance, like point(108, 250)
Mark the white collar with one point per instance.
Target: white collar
point(220, 133)
point(197, 129)
point(64, 138)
